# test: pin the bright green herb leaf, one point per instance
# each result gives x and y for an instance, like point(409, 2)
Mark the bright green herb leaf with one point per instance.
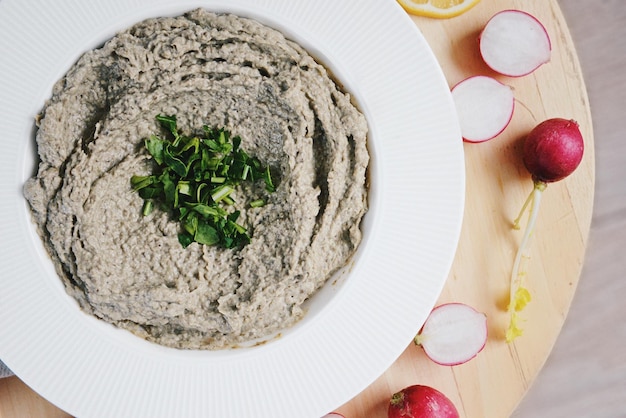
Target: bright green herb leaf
point(206, 234)
point(176, 164)
point(154, 145)
point(185, 239)
point(208, 210)
point(169, 122)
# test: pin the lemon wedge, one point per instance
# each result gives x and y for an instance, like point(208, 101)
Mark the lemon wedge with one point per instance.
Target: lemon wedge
point(441, 9)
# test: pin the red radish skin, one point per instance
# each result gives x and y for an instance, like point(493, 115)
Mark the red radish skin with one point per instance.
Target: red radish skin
point(419, 401)
point(552, 151)
point(514, 43)
point(333, 415)
point(453, 334)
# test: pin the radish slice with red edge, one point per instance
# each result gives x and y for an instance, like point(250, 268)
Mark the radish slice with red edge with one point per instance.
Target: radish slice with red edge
point(453, 333)
point(514, 43)
point(333, 415)
point(484, 107)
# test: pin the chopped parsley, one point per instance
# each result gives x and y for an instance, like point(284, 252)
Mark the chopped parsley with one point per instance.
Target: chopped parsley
point(194, 178)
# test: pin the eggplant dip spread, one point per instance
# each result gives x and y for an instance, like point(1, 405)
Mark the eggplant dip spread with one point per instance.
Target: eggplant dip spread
point(126, 265)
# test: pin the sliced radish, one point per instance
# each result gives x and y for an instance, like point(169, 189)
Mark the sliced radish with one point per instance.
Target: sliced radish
point(453, 334)
point(333, 415)
point(514, 43)
point(484, 107)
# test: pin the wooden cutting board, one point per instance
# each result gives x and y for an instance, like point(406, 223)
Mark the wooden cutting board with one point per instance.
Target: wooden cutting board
point(492, 384)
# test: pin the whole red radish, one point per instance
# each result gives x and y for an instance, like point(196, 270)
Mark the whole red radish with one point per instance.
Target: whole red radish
point(419, 401)
point(552, 151)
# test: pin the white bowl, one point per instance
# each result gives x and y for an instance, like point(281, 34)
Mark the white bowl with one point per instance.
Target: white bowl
point(357, 324)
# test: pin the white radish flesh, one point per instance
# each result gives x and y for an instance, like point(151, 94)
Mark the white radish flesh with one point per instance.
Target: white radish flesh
point(484, 107)
point(514, 43)
point(453, 333)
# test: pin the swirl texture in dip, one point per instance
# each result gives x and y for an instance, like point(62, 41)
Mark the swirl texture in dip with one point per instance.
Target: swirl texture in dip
point(220, 70)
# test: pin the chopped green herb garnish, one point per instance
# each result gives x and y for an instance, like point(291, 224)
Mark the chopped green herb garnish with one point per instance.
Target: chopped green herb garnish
point(257, 203)
point(194, 178)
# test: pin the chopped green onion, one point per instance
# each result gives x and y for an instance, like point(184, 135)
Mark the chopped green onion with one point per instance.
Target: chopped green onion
point(195, 177)
point(148, 205)
point(257, 203)
point(221, 192)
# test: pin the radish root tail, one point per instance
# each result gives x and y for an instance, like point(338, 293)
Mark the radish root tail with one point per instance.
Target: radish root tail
point(519, 294)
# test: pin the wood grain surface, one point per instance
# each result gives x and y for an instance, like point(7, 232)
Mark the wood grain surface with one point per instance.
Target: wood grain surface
point(586, 374)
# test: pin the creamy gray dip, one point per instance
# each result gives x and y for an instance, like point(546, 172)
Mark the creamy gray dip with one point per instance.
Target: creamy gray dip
point(214, 69)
